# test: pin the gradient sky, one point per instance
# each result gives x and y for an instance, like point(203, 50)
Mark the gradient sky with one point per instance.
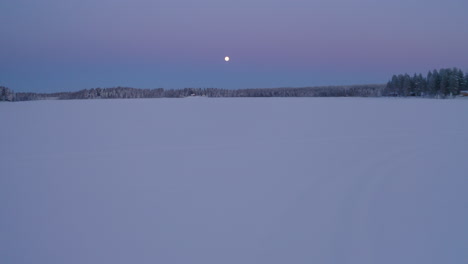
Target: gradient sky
point(63, 45)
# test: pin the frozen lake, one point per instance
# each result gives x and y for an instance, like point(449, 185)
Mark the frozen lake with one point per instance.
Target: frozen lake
point(241, 180)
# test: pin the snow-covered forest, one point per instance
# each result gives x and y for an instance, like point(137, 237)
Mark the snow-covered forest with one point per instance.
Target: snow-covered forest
point(440, 83)
point(127, 92)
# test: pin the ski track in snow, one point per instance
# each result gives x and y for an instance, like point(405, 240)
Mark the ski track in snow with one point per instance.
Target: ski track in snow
point(234, 180)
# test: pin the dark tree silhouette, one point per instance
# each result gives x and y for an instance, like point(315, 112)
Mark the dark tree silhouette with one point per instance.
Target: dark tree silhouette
point(442, 83)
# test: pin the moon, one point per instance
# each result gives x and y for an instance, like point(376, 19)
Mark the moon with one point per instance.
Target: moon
point(226, 58)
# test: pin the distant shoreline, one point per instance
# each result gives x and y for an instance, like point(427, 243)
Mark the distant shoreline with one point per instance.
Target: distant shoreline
point(364, 90)
point(443, 83)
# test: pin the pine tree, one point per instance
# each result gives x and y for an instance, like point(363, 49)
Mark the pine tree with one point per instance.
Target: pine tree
point(422, 85)
point(392, 86)
point(466, 83)
point(444, 82)
point(436, 80)
point(407, 85)
point(453, 84)
point(430, 84)
point(461, 80)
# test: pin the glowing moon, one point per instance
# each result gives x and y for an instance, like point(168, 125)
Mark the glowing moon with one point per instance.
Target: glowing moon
point(226, 58)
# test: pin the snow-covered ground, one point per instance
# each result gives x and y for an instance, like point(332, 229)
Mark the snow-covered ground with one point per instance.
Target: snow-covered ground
point(221, 181)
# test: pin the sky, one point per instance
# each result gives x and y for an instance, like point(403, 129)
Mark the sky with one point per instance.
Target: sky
point(68, 45)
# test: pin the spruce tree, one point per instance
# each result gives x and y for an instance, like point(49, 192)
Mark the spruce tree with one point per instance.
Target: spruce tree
point(436, 77)
point(461, 80)
point(453, 85)
point(422, 85)
point(444, 82)
point(466, 83)
point(406, 85)
point(429, 83)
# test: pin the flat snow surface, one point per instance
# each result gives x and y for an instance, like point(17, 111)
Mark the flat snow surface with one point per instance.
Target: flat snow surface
point(221, 181)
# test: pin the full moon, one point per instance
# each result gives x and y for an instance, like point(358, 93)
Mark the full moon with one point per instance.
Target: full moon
point(226, 58)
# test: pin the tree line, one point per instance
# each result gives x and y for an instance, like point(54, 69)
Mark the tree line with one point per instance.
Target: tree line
point(437, 83)
point(371, 90)
point(441, 83)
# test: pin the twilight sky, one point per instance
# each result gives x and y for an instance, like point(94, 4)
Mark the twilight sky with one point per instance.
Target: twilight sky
point(62, 45)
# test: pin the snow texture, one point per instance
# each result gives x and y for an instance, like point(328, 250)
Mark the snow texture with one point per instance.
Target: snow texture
point(246, 180)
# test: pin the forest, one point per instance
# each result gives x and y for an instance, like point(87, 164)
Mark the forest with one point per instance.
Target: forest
point(127, 92)
point(443, 83)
